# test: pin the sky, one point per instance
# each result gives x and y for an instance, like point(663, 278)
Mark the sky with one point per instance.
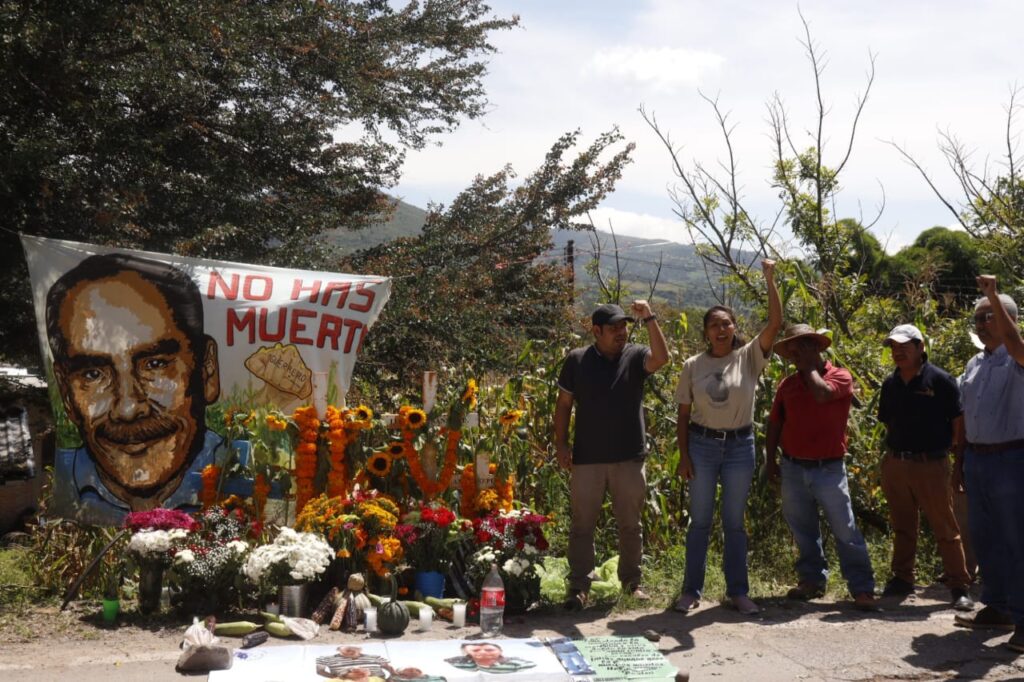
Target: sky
point(940, 65)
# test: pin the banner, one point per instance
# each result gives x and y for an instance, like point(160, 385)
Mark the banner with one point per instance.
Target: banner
point(138, 345)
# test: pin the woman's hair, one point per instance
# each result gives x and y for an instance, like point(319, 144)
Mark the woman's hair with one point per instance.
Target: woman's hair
point(737, 340)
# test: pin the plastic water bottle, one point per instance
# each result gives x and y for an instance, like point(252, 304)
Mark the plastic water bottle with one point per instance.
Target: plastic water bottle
point(492, 604)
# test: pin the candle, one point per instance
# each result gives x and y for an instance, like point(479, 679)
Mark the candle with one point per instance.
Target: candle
point(459, 615)
point(371, 619)
point(426, 618)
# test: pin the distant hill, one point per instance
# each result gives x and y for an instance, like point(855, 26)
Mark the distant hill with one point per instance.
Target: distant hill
point(682, 282)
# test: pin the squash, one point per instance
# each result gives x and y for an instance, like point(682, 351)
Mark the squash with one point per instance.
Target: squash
point(392, 615)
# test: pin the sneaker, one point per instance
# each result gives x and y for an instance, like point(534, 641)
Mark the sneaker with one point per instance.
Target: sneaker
point(637, 592)
point(576, 600)
point(898, 587)
point(686, 603)
point(805, 591)
point(745, 605)
point(1016, 641)
point(961, 600)
point(865, 601)
point(988, 618)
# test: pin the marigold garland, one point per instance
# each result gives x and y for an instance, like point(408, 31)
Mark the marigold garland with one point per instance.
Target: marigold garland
point(337, 440)
point(429, 488)
point(210, 476)
point(260, 492)
point(305, 454)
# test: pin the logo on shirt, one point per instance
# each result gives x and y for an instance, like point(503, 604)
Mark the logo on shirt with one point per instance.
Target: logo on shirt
point(927, 392)
point(717, 389)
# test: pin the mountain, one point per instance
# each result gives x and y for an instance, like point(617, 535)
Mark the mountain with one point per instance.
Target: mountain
point(682, 282)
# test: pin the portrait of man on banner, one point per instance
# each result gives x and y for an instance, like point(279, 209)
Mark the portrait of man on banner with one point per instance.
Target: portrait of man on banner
point(135, 372)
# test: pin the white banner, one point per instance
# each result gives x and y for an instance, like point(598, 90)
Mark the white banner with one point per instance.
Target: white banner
point(140, 344)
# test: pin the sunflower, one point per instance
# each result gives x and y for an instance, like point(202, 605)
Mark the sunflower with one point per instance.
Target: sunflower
point(362, 413)
point(396, 449)
point(415, 418)
point(379, 464)
point(510, 417)
point(469, 396)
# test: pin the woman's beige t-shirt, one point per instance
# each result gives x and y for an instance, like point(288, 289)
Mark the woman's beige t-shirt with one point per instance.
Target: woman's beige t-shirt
point(720, 391)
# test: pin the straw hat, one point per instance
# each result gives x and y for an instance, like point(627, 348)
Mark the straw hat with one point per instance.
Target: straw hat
point(799, 331)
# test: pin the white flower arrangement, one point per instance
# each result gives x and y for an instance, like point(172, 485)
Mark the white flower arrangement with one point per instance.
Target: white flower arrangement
point(298, 556)
point(185, 556)
point(152, 545)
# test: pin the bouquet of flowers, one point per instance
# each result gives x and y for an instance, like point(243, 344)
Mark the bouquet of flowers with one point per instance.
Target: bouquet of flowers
point(206, 562)
point(155, 534)
point(515, 542)
point(429, 535)
point(292, 558)
point(360, 529)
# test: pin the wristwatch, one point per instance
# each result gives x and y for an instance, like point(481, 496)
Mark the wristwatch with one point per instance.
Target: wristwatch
point(648, 319)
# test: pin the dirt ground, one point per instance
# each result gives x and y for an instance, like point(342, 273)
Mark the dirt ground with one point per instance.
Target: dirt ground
point(821, 640)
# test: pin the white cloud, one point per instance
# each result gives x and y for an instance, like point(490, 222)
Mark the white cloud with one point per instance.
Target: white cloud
point(662, 68)
point(643, 225)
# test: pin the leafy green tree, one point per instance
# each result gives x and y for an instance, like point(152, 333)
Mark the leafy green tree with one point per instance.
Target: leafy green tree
point(219, 128)
point(481, 278)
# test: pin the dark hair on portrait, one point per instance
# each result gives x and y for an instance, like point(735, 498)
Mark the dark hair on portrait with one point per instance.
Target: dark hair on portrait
point(494, 644)
point(184, 301)
point(737, 340)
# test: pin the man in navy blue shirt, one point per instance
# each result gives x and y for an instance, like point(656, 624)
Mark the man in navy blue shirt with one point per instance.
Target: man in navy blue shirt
point(920, 407)
point(605, 383)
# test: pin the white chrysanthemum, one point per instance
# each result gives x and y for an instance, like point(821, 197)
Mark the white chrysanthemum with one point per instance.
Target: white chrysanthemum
point(185, 556)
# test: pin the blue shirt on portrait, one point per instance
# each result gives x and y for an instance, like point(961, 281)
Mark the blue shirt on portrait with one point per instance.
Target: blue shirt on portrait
point(80, 494)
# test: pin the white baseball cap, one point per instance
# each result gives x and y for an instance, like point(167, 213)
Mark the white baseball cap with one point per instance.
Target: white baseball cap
point(903, 333)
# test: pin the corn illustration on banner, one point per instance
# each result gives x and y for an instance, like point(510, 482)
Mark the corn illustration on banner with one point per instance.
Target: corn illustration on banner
point(139, 345)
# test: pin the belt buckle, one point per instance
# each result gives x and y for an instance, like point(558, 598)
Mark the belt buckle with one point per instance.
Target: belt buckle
point(725, 435)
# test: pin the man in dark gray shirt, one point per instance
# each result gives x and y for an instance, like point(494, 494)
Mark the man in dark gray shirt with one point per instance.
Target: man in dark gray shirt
point(605, 382)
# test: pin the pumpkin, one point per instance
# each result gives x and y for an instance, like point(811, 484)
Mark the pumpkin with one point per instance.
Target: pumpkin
point(392, 615)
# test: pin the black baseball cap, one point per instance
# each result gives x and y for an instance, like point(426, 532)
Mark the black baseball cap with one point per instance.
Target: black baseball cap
point(609, 313)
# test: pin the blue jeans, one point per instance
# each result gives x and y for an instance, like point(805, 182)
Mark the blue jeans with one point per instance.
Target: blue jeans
point(804, 490)
point(995, 503)
point(731, 462)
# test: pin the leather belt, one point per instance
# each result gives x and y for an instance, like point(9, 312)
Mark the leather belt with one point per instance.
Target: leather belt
point(721, 434)
point(988, 448)
point(811, 463)
point(919, 456)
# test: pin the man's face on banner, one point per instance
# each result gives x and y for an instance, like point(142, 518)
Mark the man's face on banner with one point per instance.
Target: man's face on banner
point(129, 380)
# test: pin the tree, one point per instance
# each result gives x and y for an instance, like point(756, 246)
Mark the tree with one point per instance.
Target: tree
point(990, 206)
point(731, 240)
point(240, 130)
point(480, 279)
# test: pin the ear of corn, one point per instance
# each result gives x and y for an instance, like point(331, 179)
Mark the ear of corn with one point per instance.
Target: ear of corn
point(278, 629)
point(236, 629)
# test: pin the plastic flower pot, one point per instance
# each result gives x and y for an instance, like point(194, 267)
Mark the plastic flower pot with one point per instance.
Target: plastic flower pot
point(111, 607)
point(430, 583)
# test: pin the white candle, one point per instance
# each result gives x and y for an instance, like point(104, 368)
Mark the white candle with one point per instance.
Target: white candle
point(426, 618)
point(459, 615)
point(272, 607)
point(371, 619)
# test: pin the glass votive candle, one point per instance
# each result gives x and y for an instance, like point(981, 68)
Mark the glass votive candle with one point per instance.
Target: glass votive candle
point(459, 615)
point(371, 618)
point(426, 618)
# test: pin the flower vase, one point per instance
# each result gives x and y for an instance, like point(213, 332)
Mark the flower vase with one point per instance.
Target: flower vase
point(151, 578)
point(430, 583)
point(292, 600)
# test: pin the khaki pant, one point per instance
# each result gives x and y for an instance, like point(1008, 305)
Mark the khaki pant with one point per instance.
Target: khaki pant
point(628, 487)
point(960, 510)
point(910, 488)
